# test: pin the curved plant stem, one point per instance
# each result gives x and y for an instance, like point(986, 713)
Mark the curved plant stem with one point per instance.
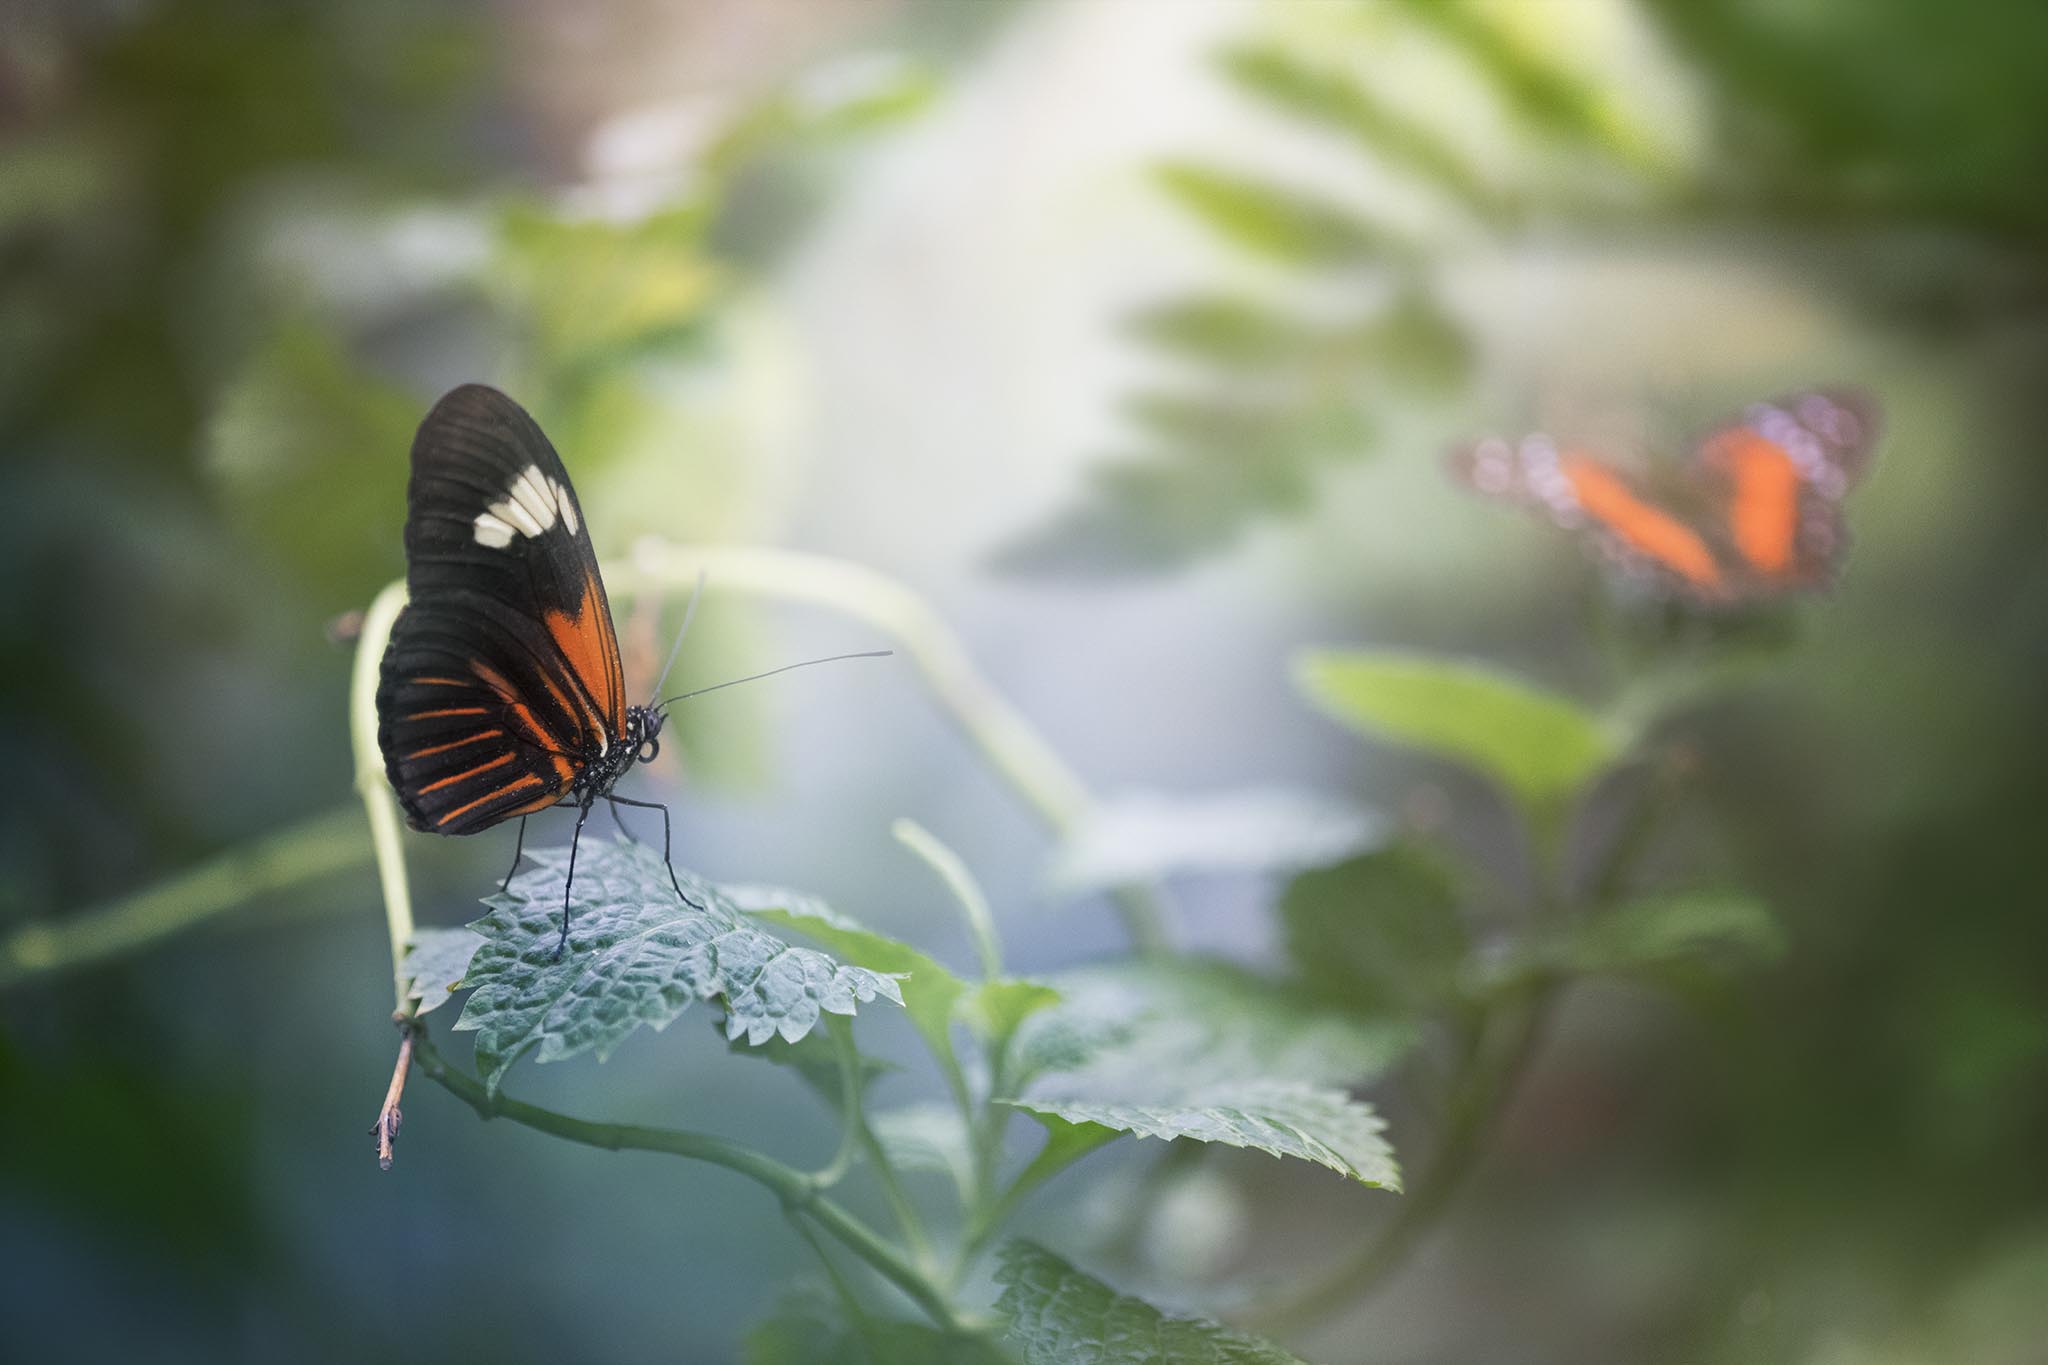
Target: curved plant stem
point(319, 847)
point(985, 716)
point(370, 782)
point(981, 921)
point(797, 1191)
point(1494, 1057)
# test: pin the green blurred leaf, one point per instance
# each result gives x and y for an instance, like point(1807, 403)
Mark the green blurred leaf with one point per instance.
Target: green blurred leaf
point(1378, 934)
point(928, 1136)
point(1278, 221)
point(1228, 331)
point(815, 1059)
point(1145, 837)
point(1335, 100)
point(309, 455)
point(995, 1010)
point(1649, 937)
point(594, 294)
point(1058, 1315)
point(436, 960)
point(637, 955)
point(1542, 747)
point(1212, 1053)
point(808, 1326)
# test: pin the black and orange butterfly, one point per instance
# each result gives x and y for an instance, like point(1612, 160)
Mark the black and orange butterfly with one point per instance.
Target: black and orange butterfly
point(502, 692)
point(1754, 513)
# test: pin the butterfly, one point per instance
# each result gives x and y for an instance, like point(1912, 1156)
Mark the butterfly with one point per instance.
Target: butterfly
point(502, 692)
point(1754, 512)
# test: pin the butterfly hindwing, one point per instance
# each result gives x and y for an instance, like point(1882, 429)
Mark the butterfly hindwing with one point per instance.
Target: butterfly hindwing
point(502, 679)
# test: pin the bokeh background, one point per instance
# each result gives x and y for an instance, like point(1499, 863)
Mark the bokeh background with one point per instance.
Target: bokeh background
point(1130, 333)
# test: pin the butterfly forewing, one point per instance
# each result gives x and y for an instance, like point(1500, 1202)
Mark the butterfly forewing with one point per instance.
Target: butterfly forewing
point(1779, 473)
point(502, 680)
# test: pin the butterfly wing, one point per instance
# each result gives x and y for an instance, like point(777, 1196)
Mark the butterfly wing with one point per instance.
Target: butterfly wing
point(1777, 475)
point(502, 680)
point(1641, 534)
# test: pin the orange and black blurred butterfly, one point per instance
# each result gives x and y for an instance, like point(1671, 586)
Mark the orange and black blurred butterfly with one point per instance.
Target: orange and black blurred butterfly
point(502, 692)
point(1754, 513)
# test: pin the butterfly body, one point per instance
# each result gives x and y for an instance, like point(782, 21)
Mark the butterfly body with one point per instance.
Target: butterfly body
point(1754, 513)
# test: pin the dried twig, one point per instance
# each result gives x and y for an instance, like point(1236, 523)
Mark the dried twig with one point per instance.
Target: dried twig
point(385, 1130)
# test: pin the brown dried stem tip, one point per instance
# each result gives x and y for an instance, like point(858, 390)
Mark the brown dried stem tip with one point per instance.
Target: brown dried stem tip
point(385, 1130)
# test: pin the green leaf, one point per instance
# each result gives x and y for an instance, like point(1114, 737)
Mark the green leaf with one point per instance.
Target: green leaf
point(929, 991)
point(637, 955)
point(815, 1058)
point(808, 1327)
point(1542, 747)
point(1649, 937)
point(1058, 1315)
point(1277, 220)
point(1228, 331)
point(927, 1136)
point(1211, 1053)
point(1377, 934)
point(995, 1010)
point(1146, 837)
point(1336, 100)
point(436, 960)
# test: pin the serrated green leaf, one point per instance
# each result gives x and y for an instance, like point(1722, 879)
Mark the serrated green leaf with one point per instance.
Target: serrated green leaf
point(1278, 220)
point(1647, 937)
point(436, 960)
point(1379, 933)
point(808, 1327)
point(1542, 747)
point(1210, 1053)
point(1058, 1315)
point(637, 955)
point(929, 991)
point(1148, 837)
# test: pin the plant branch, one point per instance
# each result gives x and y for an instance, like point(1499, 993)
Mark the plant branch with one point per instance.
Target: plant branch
point(797, 1191)
point(985, 716)
point(372, 786)
point(319, 847)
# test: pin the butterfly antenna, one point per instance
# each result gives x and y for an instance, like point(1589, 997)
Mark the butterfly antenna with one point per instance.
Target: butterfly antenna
point(677, 648)
point(756, 677)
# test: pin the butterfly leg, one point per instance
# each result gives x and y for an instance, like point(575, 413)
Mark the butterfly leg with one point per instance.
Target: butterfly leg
point(613, 802)
point(687, 898)
point(517, 846)
point(582, 814)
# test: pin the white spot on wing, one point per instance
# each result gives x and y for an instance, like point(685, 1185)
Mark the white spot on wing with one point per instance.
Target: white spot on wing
point(491, 532)
point(567, 504)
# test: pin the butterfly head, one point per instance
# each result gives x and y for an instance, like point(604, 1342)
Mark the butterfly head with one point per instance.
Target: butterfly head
point(643, 732)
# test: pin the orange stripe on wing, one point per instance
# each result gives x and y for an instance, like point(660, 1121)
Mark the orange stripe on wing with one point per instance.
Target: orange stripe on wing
point(587, 642)
point(529, 780)
point(450, 711)
point(454, 744)
point(1648, 530)
point(500, 761)
point(1764, 514)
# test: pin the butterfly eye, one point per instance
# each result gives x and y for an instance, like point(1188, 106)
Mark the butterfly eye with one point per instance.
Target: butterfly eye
point(650, 749)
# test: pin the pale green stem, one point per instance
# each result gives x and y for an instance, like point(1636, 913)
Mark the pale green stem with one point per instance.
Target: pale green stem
point(319, 847)
point(981, 922)
point(856, 1117)
point(371, 784)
